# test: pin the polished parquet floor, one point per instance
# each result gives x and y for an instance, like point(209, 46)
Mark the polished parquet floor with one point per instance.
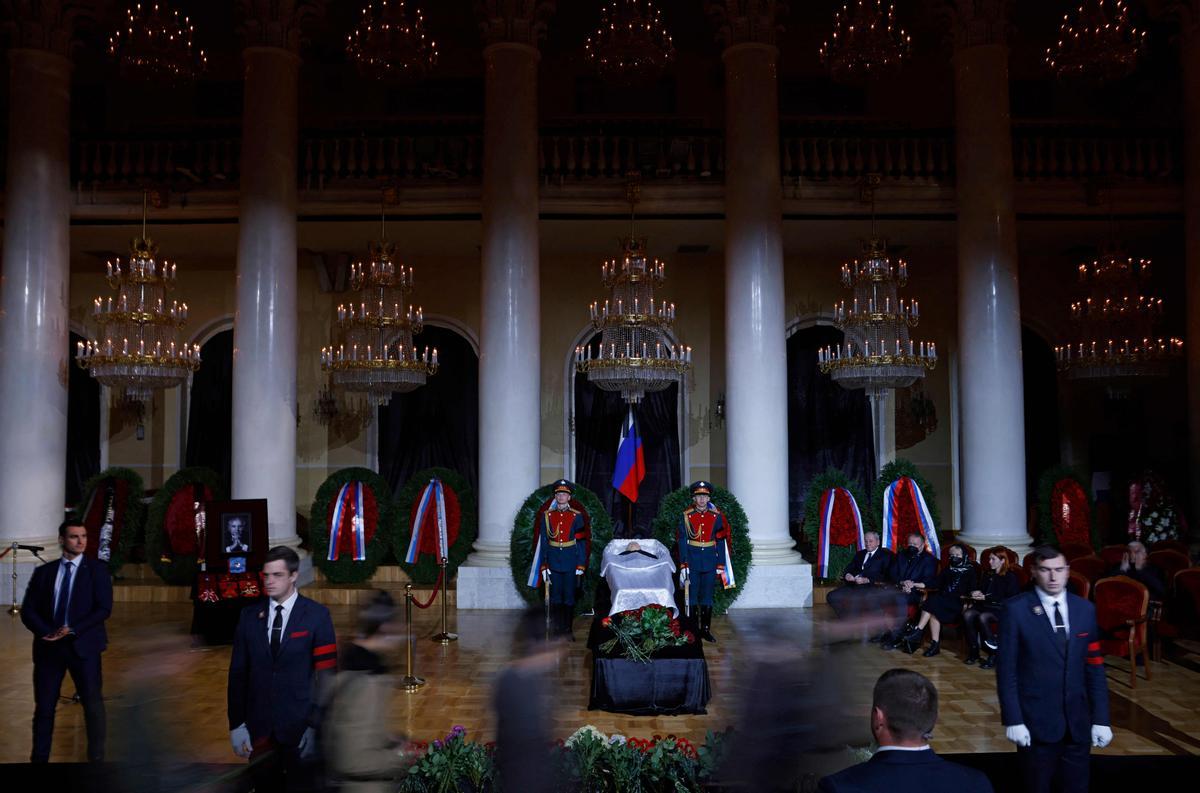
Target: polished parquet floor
point(1159, 717)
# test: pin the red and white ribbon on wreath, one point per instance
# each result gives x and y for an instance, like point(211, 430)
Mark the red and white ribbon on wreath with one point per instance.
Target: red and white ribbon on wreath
point(833, 500)
point(906, 490)
point(357, 522)
point(432, 494)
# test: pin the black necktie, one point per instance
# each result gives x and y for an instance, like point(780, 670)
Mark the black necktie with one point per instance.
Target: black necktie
point(64, 596)
point(277, 630)
point(1060, 628)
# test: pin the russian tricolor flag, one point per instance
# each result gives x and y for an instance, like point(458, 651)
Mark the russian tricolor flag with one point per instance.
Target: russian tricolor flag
point(630, 469)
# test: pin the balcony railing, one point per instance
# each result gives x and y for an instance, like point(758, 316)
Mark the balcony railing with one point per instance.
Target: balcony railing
point(328, 161)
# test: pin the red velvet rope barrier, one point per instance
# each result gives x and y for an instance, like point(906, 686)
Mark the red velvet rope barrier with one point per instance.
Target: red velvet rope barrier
point(437, 586)
point(7, 551)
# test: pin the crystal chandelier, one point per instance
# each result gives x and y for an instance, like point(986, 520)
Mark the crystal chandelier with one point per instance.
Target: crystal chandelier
point(631, 40)
point(390, 42)
point(373, 351)
point(154, 43)
point(1099, 42)
point(1116, 322)
point(635, 354)
point(139, 350)
point(865, 41)
point(878, 353)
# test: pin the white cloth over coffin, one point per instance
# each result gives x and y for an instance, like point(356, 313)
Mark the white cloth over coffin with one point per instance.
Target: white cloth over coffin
point(637, 580)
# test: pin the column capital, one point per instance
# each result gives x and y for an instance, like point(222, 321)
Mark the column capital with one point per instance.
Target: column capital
point(39, 25)
point(514, 21)
point(974, 23)
point(746, 21)
point(274, 23)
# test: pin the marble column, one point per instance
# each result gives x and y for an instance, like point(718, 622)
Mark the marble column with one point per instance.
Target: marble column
point(755, 324)
point(265, 340)
point(1190, 57)
point(990, 394)
point(510, 337)
point(34, 359)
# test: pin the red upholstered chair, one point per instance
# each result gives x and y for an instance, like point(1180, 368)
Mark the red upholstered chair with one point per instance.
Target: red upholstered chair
point(1170, 545)
point(1027, 563)
point(1170, 562)
point(1079, 584)
point(1187, 598)
point(1023, 578)
point(1090, 567)
point(1112, 554)
point(1073, 550)
point(1121, 605)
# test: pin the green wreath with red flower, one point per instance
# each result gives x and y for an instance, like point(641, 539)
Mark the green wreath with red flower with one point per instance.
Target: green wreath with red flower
point(172, 545)
point(462, 525)
point(644, 631)
point(377, 520)
point(120, 489)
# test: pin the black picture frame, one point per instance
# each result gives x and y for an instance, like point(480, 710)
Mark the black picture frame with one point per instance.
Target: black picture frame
point(218, 514)
point(241, 524)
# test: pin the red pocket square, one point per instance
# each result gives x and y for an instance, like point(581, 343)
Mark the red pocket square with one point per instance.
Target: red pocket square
point(1082, 635)
point(298, 634)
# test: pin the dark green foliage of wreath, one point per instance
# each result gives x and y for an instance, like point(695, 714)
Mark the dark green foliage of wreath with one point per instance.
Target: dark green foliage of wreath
point(666, 530)
point(179, 569)
point(1046, 482)
point(521, 543)
point(135, 513)
point(890, 473)
point(425, 571)
point(345, 570)
point(839, 555)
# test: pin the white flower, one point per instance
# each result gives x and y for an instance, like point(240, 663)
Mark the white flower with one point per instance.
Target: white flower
point(616, 739)
point(586, 729)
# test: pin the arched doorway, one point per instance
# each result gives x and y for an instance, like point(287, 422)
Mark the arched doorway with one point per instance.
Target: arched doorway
point(598, 416)
point(210, 409)
point(827, 425)
point(83, 426)
point(438, 423)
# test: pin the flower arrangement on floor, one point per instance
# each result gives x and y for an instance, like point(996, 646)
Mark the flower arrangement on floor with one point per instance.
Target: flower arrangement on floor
point(644, 631)
point(587, 762)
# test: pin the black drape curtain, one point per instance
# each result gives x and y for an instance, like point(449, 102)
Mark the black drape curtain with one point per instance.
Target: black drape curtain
point(827, 425)
point(598, 418)
point(83, 426)
point(1040, 377)
point(210, 409)
point(438, 423)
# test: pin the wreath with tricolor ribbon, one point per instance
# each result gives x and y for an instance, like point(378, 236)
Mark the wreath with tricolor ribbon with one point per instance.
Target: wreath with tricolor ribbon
point(834, 521)
point(350, 525)
point(175, 521)
point(521, 542)
point(906, 502)
point(118, 490)
point(456, 518)
point(666, 530)
point(1065, 509)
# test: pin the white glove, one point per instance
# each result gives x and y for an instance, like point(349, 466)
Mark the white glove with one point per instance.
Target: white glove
point(1019, 734)
point(683, 576)
point(578, 571)
point(1101, 735)
point(308, 744)
point(239, 737)
point(546, 575)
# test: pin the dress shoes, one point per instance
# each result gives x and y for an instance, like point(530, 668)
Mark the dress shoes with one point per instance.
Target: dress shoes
point(988, 662)
point(933, 649)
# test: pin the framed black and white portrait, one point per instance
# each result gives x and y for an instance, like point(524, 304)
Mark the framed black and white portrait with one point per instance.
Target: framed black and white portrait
point(236, 533)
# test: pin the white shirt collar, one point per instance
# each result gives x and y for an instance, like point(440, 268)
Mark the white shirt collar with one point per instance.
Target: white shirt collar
point(287, 604)
point(921, 748)
point(1049, 600)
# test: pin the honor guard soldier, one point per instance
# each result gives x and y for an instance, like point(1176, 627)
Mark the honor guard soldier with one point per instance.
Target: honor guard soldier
point(561, 554)
point(705, 553)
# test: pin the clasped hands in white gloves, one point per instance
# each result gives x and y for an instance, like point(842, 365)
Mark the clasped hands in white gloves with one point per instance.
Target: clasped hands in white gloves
point(683, 576)
point(1102, 735)
point(240, 738)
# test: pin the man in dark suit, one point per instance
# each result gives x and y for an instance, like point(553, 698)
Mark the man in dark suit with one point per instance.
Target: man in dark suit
point(914, 570)
point(65, 606)
point(284, 653)
point(872, 565)
point(903, 711)
point(1050, 678)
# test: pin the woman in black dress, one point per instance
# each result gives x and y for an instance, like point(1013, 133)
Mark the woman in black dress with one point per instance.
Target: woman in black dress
point(944, 605)
point(982, 615)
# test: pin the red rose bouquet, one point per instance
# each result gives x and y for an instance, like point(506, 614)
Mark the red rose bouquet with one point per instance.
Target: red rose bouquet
point(643, 632)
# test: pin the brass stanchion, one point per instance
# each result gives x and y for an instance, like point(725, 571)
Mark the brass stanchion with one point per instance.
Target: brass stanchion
point(15, 608)
point(411, 683)
point(445, 637)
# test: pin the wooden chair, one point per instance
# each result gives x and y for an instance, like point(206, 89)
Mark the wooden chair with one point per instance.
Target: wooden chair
point(1073, 550)
point(1112, 554)
point(1090, 567)
point(1170, 545)
point(1170, 562)
point(1079, 584)
point(1121, 614)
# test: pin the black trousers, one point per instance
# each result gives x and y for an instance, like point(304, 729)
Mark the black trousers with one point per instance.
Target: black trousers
point(276, 768)
point(1061, 767)
point(52, 661)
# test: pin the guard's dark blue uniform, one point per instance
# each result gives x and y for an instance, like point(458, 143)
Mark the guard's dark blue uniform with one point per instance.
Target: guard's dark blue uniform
point(564, 537)
point(704, 550)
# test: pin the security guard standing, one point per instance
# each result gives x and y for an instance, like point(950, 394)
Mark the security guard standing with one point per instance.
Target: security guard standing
point(705, 553)
point(564, 543)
